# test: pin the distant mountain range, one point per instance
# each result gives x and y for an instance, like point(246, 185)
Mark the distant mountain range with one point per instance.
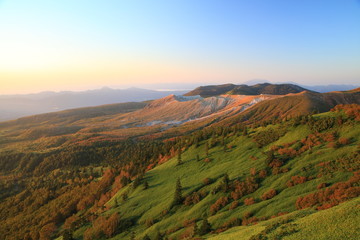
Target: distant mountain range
point(15, 106)
point(315, 88)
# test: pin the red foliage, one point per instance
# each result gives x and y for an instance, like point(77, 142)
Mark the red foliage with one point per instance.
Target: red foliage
point(220, 203)
point(331, 196)
point(103, 226)
point(262, 173)
point(351, 110)
point(249, 201)
point(47, 230)
point(193, 198)
point(243, 188)
point(253, 171)
point(321, 185)
point(207, 160)
point(295, 180)
point(344, 141)
point(234, 205)
point(269, 194)
point(207, 181)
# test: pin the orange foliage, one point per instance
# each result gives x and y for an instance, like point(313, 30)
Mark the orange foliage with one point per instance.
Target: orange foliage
point(331, 196)
point(269, 194)
point(47, 230)
point(295, 180)
point(351, 110)
point(249, 201)
point(220, 203)
point(234, 205)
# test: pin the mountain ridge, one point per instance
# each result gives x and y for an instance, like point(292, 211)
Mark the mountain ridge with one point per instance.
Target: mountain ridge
point(232, 89)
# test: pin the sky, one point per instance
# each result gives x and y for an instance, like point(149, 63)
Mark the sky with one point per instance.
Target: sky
point(86, 44)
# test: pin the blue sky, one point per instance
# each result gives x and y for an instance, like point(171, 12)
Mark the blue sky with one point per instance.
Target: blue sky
point(60, 45)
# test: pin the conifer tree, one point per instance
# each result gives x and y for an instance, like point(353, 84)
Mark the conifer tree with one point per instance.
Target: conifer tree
point(67, 235)
point(226, 181)
point(132, 236)
point(158, 236)
point(195, 229)
point(178, 193)
point(146, 185)
point(245, 132)
point(179, 161)
point(205, 227)
point(206, 149)
point(146, 237)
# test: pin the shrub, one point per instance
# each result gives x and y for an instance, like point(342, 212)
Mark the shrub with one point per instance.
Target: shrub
point(295, 180)
point(234, 205)
point(249, 201)
point(331, 196)
point(207, 181)
point(220, 203)
point(269, 194)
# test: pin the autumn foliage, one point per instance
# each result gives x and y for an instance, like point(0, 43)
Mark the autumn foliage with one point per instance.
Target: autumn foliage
point(331, 196)
point(269, 194)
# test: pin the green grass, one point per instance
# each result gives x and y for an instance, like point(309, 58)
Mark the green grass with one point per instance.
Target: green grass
point(236, 162)
point(340, 222)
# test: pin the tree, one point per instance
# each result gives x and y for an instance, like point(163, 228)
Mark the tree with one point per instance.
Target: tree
point(136, 182)
point(146, 185)
point(124, 196)
point(116, 204)
point(67, 235)
point(178, 193)
point(132, 236)
point(197, 157)
point(205, 227)
point(179, 161)
point(195, 229)
point(47, 230)
point(245, 132)
point(225, 185)
point(146, 237)
point(158, 236)
point(206, 149)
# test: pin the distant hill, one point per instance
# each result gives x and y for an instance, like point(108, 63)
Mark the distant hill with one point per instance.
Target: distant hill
point(15, 106)
point(263, 88)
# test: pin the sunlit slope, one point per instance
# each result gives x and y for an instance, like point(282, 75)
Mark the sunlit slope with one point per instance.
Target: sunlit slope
point(294, 105)
point(340, 222)
point(241, 155)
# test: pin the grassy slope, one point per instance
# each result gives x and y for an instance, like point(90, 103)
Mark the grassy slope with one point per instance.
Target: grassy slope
point(340, 222)
point(148, 204)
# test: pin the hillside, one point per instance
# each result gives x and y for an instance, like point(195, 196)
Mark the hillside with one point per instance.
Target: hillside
point(226, 176)
point(292, 105)
point(231, 89)
point(205, 192)
point(111, 172)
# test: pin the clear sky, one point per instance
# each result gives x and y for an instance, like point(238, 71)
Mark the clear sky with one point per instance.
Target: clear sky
point(82, 44)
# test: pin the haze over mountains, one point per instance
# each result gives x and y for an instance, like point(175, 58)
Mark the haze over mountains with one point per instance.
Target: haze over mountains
point(176, 114)
point(19, 105)
point(15, 106)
